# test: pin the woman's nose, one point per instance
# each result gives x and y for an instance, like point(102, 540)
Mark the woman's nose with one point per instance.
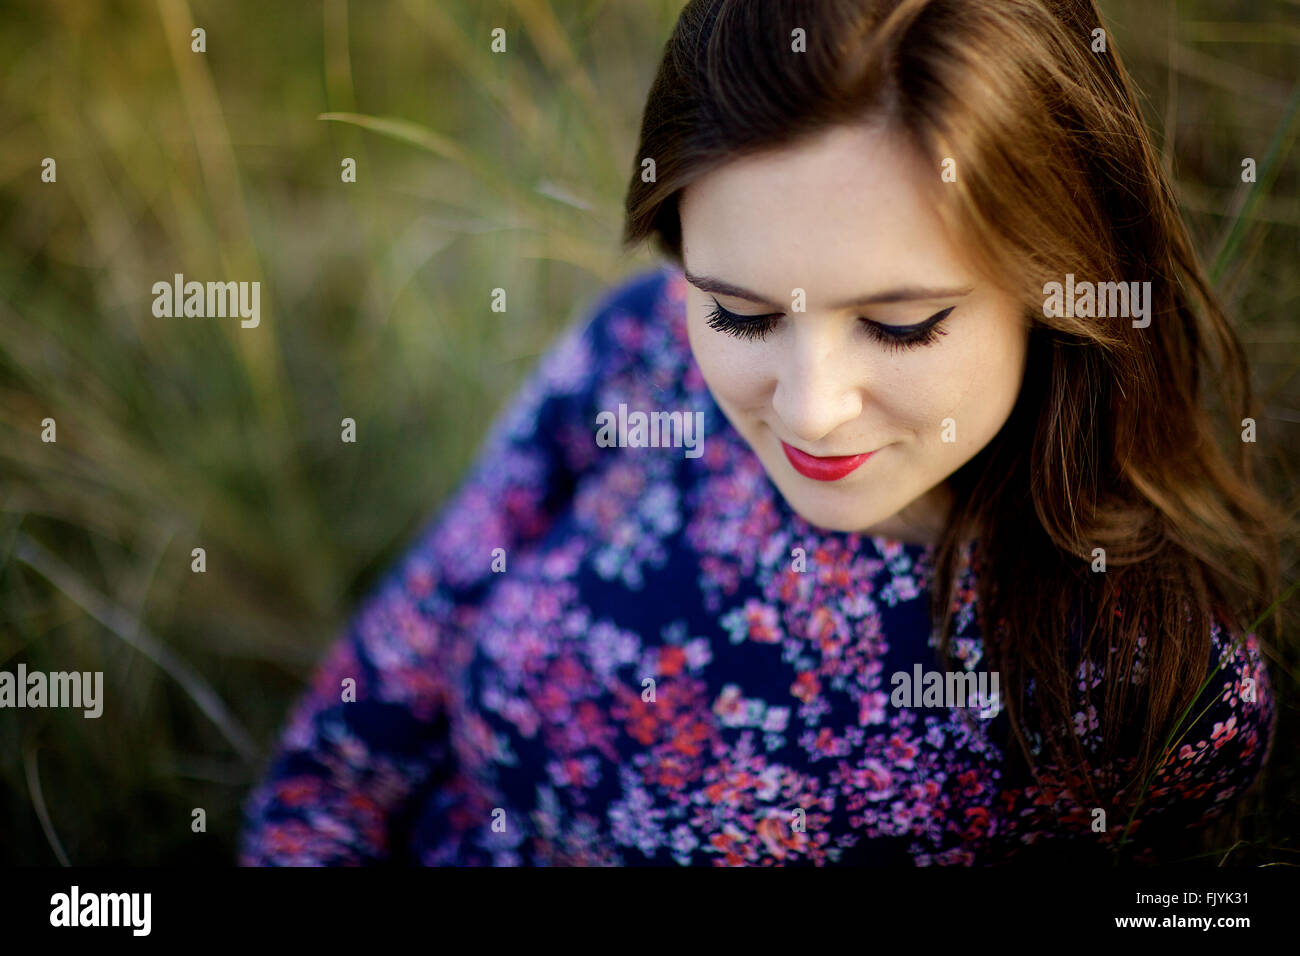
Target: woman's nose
point(818, 386)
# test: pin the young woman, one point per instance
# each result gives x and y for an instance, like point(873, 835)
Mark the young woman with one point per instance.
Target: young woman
point(846, 536)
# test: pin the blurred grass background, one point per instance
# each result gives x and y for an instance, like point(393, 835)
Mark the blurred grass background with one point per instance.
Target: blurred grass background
point(474, 171)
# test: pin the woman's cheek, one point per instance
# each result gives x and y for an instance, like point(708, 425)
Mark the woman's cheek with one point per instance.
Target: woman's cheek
point(732, 369)
point(983, 378)
point(920, 393)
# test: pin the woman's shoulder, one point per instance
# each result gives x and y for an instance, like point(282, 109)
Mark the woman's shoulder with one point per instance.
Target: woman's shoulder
point(638, 326)
point(622, 330)
point(620, 316)
point(626, 346)
point(640, 293)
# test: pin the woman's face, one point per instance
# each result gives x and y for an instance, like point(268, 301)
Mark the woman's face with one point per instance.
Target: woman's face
point(871, 365)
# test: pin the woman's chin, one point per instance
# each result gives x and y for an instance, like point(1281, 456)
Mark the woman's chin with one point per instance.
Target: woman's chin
point(829, 517)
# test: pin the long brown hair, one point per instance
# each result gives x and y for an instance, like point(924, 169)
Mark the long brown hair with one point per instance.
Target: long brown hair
point(1110, 444)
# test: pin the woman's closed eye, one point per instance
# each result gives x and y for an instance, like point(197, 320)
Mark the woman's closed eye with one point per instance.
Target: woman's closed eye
point(893, 337)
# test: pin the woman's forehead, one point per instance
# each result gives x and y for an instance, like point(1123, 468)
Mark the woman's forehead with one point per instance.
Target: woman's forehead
point(851, 211)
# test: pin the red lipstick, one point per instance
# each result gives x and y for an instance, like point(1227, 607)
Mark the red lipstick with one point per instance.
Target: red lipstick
point(823, 469)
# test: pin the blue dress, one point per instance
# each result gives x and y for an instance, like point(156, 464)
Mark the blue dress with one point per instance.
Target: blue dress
point(641, 655)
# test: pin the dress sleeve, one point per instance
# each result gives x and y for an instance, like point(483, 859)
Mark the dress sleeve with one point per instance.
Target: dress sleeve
point(374, 730)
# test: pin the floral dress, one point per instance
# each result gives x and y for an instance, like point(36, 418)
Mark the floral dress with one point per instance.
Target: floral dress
point(632, 655)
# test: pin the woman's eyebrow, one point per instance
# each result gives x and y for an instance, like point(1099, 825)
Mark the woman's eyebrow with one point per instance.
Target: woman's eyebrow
point(901, 294)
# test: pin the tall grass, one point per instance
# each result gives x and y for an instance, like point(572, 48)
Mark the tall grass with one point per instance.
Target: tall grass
point(475, 171)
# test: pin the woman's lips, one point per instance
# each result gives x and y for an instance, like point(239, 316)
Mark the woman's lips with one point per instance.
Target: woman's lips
point(823, 469)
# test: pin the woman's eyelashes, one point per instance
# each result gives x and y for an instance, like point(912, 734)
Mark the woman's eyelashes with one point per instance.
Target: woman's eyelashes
point(909, 336)
point(742, 326)
point(752, 327)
